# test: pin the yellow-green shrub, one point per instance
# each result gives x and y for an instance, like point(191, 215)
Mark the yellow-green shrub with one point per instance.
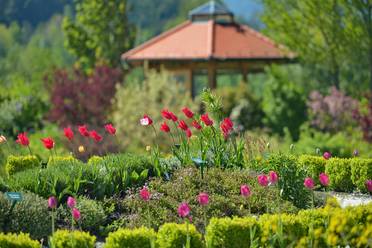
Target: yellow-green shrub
point(171, 235)
point(348, 227)
point(339, 172)
point(95, 160)
point(19, 163)
point(127, 238)
point(361, 171)
point(75, 239)
point(232, 233)
point(314, 165)
point(61, 159)
point(21, 240)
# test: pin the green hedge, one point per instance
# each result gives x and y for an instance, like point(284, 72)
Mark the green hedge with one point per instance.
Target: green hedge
point(20, 163)
point(61, 159)
point(17, 241)
point(173, 235)
point(314, 165)
point(361, 171)
point(75, 239)
point(131, 238)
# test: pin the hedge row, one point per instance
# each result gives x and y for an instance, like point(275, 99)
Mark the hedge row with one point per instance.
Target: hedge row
point(327, 227)
point(346, 174)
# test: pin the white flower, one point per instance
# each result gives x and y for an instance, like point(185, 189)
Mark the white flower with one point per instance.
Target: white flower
point(145, 121)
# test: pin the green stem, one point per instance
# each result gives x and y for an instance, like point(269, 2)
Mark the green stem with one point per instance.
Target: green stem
point(53, 221)
point(29, 149)
point(188, 245)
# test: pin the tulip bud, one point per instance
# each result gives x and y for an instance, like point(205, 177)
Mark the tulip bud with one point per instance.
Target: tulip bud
point(81, 149)
point(2, 139)
point(148, 148)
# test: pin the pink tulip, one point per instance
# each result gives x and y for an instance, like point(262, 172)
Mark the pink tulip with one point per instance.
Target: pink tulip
point(71, 202)
point(203, 199)
point(273, 177)
point(263, 180)
point(324, 179)
point(369, 185)
point(76, 214)
point(327, 155)
point(145, 194)
point(245, 191)
point(309, 183)
point(52, 202)
point(183, 210)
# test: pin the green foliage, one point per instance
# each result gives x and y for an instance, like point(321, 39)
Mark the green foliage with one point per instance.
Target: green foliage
point(87, 35)
point(156, 92)
point(61, 159)
point(94, 160)
point(17, 241)
point(30, 215)
point(283, 104)
point(313, 165)
point(131, 238)
point(16, 164)
point(361, 171)
point(224, 198)
point(339, 171)
point(291, 178)
point(173, 235)
point(232, 233)
point(75, 239)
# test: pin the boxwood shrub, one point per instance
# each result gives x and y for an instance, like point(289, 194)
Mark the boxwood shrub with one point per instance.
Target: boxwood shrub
point(361, 171)
point(171, 235)
point(21, 240)
point(19, 163)
point(74, 239)
point(131, 238)
point(313, 165)
point(339, 172)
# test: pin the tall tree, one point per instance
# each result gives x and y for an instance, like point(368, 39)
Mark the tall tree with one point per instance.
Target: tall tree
point(100, 32)
point(314, 29)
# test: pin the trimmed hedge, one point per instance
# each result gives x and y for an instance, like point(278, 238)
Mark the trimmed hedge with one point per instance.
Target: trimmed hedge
point(75, 239)
point(173, 235)
point(361, 171)
point(61, 159)
point(20, 163)
point(314, 165)
point(339, 172)
point(21, 240)
point(131, 238)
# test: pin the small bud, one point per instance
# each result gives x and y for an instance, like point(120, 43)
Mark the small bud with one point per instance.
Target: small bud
point(291, 147)
point(81, 149)
point(268, 145)
point(317, 151)
point(148, 148)
point(2, 139)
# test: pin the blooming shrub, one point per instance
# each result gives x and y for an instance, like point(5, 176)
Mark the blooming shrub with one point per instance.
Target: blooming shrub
point(21, 240)
point(363, 115)
point(173, 235)
point(131, 238)
point(74, 239)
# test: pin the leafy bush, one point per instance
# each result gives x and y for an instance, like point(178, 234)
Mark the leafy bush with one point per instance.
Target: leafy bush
point(131, 238)
point(361, 171)
point(21, 240)
point(291, 178)
point(95, 160)
point(223, 187)
point(173, 235)
point(232, 233)
point(314, 165)
point(61, 159)
point(29, 215)
point(156, 92)
point(75, 239)
point(19, 163)
point(92, 214)
point(339, 171)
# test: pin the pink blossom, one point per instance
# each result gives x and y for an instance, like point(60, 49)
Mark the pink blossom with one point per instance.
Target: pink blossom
point(273, 177)
point(245, 190)
point(183, 210)
point(324, 179)
point(327, 155)
point(71, 202)
point(52, 202)
point(369, 185)
point(309, 183)
point(76, 214)
point(263, 180)
point(145, 194)
point(203, 199)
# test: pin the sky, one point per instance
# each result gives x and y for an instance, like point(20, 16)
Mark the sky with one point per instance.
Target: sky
point(244, 8)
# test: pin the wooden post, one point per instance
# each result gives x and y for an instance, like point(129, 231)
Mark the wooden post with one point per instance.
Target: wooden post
point(245, 75)
point(212, 82)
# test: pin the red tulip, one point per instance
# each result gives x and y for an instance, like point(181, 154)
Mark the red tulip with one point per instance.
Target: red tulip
point(309, 183)
point(263, 180)
point(166, 114)
point(76, 214)
point(203, 199)
point(52, 202)
point(327, 155)
point(173, 117)
point(96, 136)
point(68, 133)
point(183, 210)
point(245, 190)
point(48, 143)
point(188, 133)
point(226, 127)
point(273, 177)
point(145, 194)
point(83, 130)
point(207, 121)
point(71, 202)
point(164, 127)
point(196, 125)
point(324, 179)
point(182, 124)
point(146, 121)
point(110, 129)
point(188, 113)
point(23, 139)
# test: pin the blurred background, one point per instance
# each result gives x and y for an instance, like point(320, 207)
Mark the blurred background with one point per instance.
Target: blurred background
point(60, 66)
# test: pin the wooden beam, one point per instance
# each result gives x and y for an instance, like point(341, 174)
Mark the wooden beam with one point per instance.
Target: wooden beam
point(212, 82)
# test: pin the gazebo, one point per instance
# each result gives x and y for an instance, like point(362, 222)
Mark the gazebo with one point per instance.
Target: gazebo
point(210, 43)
